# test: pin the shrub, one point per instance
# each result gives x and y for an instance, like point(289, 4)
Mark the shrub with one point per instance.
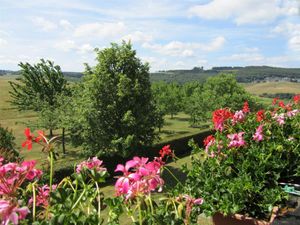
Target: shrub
point(7, 145)
point(245, 159)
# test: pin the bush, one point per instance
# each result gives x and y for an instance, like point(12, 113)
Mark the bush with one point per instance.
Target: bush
point(245, 159)
point(7, 145)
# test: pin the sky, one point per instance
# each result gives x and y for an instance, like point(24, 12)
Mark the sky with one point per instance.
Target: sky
point(168, 34)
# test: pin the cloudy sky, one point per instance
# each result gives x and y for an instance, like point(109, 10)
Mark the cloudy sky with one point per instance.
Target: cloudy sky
point(169, 34)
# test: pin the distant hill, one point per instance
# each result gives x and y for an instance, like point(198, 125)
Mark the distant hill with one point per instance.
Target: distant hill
point(246, 74)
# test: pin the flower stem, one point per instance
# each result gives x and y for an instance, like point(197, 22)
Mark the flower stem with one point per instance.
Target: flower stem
point(34, 202)
point(51, 170)
point(99, 202)
point(178, 181)
point(78, 200)
point(140, 212)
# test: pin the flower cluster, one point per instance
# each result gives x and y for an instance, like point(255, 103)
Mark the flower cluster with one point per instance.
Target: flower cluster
point(31, 138)
point(11, 212)
point(166, 151)
point(91, 164)
point(220, 116)
point(140, 177)
point(12, 176)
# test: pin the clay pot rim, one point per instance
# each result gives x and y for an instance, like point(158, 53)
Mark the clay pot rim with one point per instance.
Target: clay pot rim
point(262, 222)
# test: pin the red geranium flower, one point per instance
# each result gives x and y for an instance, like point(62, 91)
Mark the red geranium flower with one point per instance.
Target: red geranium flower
point(274, 102)
point(29, 138)
point(260, 115)
point(297, 99)
point(166, 151)
point(208, 139)
point(246, 108)
point(219, 117)
point(281, 104)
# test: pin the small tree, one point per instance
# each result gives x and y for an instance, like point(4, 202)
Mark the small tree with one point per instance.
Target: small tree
point(115, 107)
point(38, 87)
point(168, 97)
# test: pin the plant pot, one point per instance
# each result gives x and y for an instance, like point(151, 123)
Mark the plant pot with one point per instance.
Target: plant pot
point(237, 219)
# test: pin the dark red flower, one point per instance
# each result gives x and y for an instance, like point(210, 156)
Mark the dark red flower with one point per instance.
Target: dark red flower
point(260, 115)
point(246, 108)
point(208, 139)
point(274, 102)
point(29, 138)
point(296, 99)
point(166, 151)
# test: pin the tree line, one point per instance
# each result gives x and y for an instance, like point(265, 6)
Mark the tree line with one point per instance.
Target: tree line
point(114, 109)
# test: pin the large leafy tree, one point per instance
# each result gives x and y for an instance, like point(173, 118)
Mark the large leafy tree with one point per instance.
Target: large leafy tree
point(217, 92)
point(115, 107)
point(38, 89)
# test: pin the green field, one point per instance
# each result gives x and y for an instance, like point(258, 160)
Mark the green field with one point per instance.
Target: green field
point(16, 121)
point(272, 87)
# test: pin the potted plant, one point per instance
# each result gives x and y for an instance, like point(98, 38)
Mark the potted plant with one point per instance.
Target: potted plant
point(238, 171)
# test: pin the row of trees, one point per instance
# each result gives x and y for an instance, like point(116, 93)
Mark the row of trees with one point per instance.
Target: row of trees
point(111, 111)
point(199, 100)
point(115, 109)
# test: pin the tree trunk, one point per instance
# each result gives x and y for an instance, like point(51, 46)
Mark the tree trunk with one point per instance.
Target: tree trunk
point(63, 141)
point(51, 133)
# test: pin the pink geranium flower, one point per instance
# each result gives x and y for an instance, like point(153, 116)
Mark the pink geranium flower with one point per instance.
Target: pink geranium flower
point(43, 195)
point(258, 136)
point(91, 164)
point(10, 212)
point(238, 117)
point(12, 175)
point(280, 118)
point(236, 140)
point(140, 177)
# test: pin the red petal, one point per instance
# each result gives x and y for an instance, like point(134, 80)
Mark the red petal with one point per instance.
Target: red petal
point(27, 132)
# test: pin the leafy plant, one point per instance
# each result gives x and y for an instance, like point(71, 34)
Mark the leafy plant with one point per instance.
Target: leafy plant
point(242, 163)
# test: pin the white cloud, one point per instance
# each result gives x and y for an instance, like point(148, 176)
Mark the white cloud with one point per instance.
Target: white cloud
point(65, 24)
point(257, 58)
point(137, 36)
point(246, 11)
point(186, 49)
point(100, 30)
point(292, 32)
point(44, 24)
point(2, 42)
point(70, 45)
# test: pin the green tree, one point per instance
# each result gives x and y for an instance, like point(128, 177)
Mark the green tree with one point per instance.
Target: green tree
point(116, 110)
point(217, 92)
point(38, 87)
point(168, 97)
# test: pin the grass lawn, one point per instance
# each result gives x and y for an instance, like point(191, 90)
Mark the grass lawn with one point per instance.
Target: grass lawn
point(272, 87)
point(16, 121)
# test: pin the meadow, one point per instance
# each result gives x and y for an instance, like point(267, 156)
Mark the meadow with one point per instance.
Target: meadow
point(17, 121)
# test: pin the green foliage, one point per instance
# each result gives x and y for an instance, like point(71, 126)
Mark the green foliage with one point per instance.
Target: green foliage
point(7, 145)
point(115, 108)
point(38, 89)
point(38, 83)
point(217, 92)
point(245, 179)
point(168, 97)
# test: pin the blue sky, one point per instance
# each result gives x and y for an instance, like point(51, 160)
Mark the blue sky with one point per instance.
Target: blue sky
point(169, 34)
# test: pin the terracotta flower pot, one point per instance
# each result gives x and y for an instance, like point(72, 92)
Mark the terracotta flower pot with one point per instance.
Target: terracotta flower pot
point(237, 219)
